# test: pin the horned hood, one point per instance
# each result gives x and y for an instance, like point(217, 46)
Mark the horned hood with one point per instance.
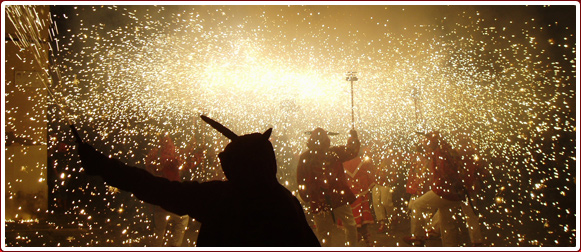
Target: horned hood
point(248, 158)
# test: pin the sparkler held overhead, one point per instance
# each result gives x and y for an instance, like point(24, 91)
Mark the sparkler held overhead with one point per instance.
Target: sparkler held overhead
point(352, 78)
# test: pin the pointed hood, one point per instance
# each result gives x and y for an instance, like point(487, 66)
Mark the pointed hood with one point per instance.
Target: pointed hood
point(248, 159)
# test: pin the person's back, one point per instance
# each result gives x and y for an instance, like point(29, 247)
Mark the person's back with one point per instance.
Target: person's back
point(359, 177)
point(271, 218)
point(321, 175)
point(323, 185)
point(444, 167)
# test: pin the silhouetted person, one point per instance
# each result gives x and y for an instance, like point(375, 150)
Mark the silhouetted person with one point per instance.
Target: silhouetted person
point(361, 181)
point(470, 170)
point(446, 192)
point(323, 185)
point(249, 209)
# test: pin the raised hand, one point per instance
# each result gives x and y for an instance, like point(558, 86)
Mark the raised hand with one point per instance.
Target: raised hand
point(91, 159)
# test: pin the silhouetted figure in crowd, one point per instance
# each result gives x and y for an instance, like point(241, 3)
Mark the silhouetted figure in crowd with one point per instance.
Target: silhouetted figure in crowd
point(361, 181)
point(323, 185)
point(446, 192)
point(249, 209)
point(470, 166)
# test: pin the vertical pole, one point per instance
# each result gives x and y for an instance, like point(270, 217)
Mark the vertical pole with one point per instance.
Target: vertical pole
point(352, 108)
point(352, 78)
point(415, 97)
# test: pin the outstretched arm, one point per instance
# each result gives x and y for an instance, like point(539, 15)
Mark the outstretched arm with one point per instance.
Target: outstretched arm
point(177, 197)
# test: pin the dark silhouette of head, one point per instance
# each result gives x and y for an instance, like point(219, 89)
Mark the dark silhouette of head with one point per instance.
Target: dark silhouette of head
point(319, 140)
point(435, 140)
point(465, 142)
point(248, 159)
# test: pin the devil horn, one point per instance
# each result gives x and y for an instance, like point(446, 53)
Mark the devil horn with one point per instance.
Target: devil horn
point(219, 127)
point(267, 133)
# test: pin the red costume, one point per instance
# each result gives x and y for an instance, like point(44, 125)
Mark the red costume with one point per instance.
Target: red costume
point(360, 180)
point(444, 167)
point(321, 176)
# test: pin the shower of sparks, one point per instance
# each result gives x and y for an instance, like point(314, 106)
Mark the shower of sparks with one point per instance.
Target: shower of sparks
point(509, 84)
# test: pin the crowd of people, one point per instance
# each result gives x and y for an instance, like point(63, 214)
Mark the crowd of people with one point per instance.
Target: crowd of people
point(440, 179)
point(347, 186)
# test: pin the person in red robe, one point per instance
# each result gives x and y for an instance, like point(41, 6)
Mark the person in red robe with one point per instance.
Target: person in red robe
point(446, 192)
point(322, 184)
point(361, 180)
point(470, 171)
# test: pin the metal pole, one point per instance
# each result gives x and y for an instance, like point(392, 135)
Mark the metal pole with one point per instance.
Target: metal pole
point(352, 78)
point(415, 97)
point(352, 108)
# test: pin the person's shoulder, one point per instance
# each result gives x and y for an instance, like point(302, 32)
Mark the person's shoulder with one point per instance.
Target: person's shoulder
point(354, 161)
point(284, 190)
point(287, 196)
point(306, 154)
